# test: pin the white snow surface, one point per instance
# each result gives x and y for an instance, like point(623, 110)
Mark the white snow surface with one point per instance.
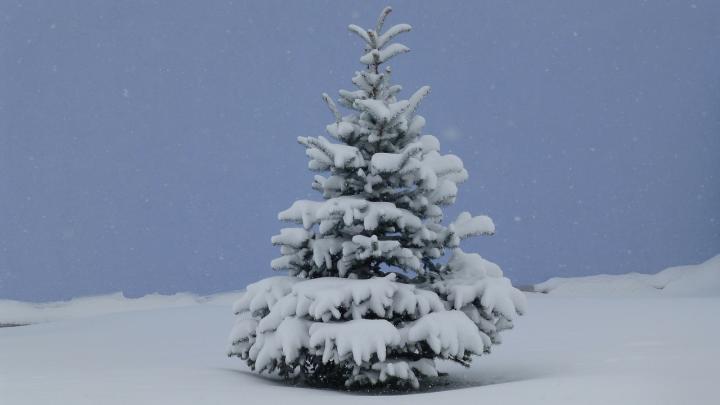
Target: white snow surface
point(20, 313)
point(564, 351)
point(693, 280)
point(617, 342)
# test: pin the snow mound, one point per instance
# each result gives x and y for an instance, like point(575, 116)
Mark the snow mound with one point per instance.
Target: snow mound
point(21, 313)
point(699, 280)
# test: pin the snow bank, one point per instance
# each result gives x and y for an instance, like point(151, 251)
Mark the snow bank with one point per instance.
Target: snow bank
point(699, 280)
point(21, 313)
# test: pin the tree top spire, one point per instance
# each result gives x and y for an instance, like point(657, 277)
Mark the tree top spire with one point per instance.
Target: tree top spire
point(378, 48)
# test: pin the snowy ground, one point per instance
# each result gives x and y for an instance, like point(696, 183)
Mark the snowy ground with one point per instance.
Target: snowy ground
point(630, 349)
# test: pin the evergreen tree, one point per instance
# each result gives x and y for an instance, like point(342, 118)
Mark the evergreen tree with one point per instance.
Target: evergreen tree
point(366, 300)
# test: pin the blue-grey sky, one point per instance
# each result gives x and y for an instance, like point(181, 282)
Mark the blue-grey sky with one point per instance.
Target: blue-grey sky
point(147, 146)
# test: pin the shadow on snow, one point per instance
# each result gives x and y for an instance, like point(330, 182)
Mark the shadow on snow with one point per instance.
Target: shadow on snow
point(457, 380)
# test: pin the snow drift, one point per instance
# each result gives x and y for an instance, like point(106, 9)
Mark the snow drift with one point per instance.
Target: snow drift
point(699, 280)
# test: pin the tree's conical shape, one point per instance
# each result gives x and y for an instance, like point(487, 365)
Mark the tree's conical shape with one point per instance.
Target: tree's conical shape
point(366, 300)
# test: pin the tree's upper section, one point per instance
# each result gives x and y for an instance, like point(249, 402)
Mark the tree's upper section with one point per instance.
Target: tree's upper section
point(384, 182)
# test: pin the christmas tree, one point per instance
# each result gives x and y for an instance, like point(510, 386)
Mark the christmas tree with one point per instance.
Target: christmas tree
point(367, 299)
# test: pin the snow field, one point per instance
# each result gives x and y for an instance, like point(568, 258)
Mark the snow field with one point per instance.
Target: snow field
point(566, 350)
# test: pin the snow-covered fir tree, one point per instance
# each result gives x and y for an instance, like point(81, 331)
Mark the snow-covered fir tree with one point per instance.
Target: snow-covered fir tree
point(367, 299)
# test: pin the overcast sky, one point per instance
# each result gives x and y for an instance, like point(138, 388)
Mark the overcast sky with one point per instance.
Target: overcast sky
point(147, 146)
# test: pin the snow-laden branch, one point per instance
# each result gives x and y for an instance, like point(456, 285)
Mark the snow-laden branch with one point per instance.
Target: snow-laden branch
point(325, 154)
point(391, 33)
point(378, 56)
point(466, 225)
point(362, 33)
point(381, 19)
point(333, 108)
point(350, 210)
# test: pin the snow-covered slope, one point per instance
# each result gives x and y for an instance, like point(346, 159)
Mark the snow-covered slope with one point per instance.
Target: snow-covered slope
point(21, 313)
point(564, 351)
point(700, 280)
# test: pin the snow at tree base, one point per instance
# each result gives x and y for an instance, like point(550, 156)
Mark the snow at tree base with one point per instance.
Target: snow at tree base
point(367, 300)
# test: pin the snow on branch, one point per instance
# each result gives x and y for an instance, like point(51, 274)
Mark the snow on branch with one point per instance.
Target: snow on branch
point(448, 167)
point(342, 130)
point(361, 338)
point(408, 107)
point(391, 33)
point(360, 32)
point(378, 56)
point(294, 237)
point(264, 294)
point(285, 342)
point(389, 114)
point(381, 19)
point(324, 154)
point(347, 98)
point(362, 248)
point(394, 369)
point(416, 98)
point(466, 225)
point(377, 108)
point(449, 334)
point(332, 298)
point(333, 108)
point(394, 162)
point(350, 210)
point(471, 282)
